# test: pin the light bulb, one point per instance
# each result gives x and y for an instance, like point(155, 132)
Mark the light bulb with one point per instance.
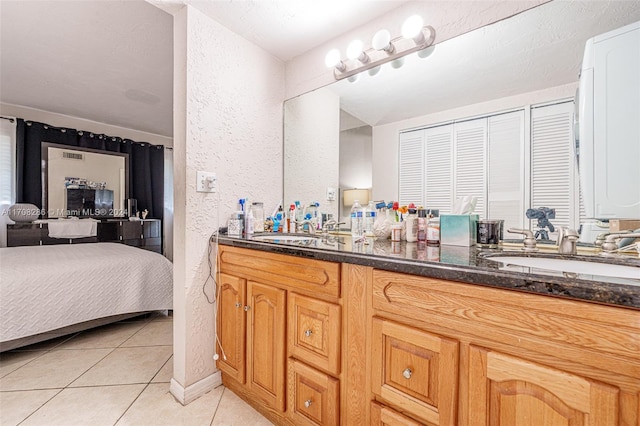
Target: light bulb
point(355, 49)
point(382, 41)
point(354, 78)
point(332, 59)
point(412, 28)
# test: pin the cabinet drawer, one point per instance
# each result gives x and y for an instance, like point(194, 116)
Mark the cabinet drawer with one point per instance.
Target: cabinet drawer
point(314, 332)
point(313, 396)
point(415, 371)
point(311, 275)
point(385, 416)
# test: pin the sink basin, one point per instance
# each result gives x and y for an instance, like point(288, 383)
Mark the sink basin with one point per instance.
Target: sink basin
point(572, 266)
point(284, 238)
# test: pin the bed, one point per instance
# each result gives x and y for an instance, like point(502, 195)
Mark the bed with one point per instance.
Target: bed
point(69, 287)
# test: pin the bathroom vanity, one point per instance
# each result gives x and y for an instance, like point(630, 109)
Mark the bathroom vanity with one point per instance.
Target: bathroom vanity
point(323, 331)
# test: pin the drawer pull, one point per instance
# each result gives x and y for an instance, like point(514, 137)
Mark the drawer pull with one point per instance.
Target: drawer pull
point(238, 304)
point(308, 333)
point(246, 308)
point(407, 373)
point(307, 403)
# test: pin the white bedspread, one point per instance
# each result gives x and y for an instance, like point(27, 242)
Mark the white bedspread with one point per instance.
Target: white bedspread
point(44, 288)
point(72, 228)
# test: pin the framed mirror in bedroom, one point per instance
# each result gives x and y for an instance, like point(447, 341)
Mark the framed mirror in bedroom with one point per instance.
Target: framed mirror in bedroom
point(83, 182)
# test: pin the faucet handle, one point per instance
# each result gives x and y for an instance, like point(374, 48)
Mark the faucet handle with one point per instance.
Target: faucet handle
point(529, 241)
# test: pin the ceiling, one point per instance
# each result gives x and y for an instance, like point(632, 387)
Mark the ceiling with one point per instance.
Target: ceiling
point(112, 61)
point(537, 49)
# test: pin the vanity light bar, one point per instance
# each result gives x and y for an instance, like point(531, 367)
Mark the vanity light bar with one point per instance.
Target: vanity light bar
point(380, 54)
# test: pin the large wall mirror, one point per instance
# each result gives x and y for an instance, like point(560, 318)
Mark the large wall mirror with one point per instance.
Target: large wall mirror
point(83, 182)
point(345, 135)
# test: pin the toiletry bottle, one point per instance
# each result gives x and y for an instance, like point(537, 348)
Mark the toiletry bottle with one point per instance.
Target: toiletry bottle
point(370, 215)
point(433, 231)
point(422, 225)
point(292, 218)
point(357, 218)
point(412, 226)
point(248, 222)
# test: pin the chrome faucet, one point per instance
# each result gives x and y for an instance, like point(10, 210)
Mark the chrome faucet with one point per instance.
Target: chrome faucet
point(529, 241)
point(330, 224)
point(311, 229)
point(567, 239)
point(610, 246)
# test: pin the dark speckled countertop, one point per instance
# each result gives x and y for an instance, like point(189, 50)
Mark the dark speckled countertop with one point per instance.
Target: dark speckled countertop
point(466, 264)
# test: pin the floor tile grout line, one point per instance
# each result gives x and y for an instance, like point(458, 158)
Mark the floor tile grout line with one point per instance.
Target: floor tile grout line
point(132, 402)
point(85, 371)
point(41, 405)
point(215, 412)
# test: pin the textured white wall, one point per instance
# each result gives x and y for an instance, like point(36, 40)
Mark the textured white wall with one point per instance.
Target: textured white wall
point(449, 18)
point(228, 100)
point(385, 138)
point(312, 145)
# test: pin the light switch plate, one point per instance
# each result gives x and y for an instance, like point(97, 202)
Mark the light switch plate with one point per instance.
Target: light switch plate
point(206, 182)
point(331, 194)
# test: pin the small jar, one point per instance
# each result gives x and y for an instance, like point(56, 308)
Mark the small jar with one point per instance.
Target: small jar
point(235, 227)
point(396, 232)
point(257, 209)
point(433, 231)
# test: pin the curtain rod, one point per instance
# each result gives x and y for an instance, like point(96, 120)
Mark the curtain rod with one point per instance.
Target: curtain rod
point(11, 120)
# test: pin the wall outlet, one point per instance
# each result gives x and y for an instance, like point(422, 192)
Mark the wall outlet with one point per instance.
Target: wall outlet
point(206, 182)
point(331, 194)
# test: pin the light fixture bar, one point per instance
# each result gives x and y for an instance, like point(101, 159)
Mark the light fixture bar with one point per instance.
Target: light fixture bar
point(402, 46)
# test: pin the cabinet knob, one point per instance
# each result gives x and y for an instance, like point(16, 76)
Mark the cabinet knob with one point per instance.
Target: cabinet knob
point(246, 308)
point(307, 403)
point(308, 333)
point(407, 373)
point(238, 304)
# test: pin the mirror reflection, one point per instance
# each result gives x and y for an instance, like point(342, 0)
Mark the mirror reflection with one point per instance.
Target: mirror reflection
point(83, 182)
point(347, 135)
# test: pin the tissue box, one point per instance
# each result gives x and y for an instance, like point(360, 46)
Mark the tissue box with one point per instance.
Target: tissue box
point(458, 229)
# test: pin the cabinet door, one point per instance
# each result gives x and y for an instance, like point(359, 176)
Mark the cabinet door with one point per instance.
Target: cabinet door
point(313, 396)
point(504, 390)
point(266, 343)
point(415, 371)
point(314, 332)
point(231, 326)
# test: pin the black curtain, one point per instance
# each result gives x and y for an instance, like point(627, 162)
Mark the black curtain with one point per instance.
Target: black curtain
point(146, 162)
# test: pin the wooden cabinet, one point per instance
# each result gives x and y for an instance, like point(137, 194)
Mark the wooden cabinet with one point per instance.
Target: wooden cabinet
point(279, 324)
point(314, 332)
point(313, 396)
point(508, 390)
point(231, 326)
point(524, 359)
point(250, 327)
point(384, 416)
point(364, 346)
point(266, 308)
point(415, 371)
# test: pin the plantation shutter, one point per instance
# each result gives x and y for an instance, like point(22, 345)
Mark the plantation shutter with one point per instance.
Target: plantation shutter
point(553, 174)
point(505, 174)
point(439, 172)
point(411, 168)
point(469, 147)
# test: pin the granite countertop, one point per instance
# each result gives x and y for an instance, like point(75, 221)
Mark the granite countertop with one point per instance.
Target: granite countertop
point(465, 264)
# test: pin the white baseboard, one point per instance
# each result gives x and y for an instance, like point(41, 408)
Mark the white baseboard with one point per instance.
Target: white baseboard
point(196, 390)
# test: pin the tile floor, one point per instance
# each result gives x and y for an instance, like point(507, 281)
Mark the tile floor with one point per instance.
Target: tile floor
point(117, 374)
